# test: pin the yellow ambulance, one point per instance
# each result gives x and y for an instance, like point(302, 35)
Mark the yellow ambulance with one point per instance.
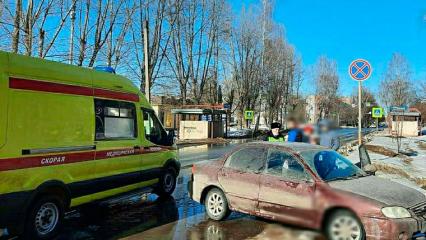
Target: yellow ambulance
point(70, 136)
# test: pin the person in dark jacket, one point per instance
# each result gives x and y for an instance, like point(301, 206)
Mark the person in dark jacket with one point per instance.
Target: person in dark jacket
point(275, 135)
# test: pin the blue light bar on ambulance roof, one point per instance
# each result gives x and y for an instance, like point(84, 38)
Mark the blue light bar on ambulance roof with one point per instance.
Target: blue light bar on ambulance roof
point(104, 69)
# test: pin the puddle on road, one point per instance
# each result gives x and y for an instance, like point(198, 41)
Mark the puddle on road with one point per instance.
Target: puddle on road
point(238, 227)
point(177, 217)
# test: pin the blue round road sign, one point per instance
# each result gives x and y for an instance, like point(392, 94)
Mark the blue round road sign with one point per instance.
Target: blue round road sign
point(360, 70)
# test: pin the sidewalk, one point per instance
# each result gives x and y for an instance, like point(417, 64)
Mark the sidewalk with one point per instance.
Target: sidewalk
point(188, 142)
point(411, 165)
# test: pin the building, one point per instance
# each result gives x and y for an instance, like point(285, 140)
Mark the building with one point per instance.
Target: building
point(194, 122)
point(163, 106)
point(405, 123)
point(191, 121)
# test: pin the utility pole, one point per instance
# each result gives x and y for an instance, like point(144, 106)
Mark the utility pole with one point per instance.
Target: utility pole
point(71, 49)
point(266, 13)
point(146, 60)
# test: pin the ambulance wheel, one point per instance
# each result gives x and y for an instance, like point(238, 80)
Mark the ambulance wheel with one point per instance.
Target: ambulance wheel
point(167, 183)
point(45, 218)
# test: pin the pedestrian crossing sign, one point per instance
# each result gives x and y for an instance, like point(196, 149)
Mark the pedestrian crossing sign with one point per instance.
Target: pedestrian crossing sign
point(377, 112)
point(248, 115)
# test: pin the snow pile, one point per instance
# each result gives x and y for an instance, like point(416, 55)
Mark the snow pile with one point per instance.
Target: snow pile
point(411, 164)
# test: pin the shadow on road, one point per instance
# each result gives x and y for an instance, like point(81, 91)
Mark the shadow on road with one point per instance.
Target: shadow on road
point(101, 222)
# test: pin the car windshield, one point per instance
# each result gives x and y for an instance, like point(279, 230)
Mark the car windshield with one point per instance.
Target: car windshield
point(330, 165)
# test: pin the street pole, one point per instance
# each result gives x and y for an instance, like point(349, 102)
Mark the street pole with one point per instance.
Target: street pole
point(377, 124)
point(146, 60)
point(359, 114)
point(359, 70)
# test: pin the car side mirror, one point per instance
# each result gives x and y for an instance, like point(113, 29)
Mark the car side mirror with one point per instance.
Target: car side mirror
point(365, 161)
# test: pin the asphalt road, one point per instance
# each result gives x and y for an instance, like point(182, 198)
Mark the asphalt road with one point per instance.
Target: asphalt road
point(177, 217)
point(192, 154)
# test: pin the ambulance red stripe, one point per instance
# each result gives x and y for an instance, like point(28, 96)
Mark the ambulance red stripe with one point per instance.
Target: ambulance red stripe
point(8, 164)
point(42, 86)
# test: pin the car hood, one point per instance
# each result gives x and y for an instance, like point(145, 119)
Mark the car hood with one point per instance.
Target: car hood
point(382, 190)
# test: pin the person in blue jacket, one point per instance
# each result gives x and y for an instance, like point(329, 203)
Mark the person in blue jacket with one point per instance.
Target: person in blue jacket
point(295, 134)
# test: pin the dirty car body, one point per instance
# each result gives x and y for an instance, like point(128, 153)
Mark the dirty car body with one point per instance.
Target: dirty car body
point(295, 192)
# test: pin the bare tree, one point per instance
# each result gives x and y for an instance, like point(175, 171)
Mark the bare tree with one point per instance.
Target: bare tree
point(16, 26)
point(29, 24)
point(72, 29)
point(395, 88)
point(246, 52)
point(161, 16)
point(327, 85)
point(279, 75)
point(94, 35)
point(422, 91)
point(194, 38)
point(116, 44)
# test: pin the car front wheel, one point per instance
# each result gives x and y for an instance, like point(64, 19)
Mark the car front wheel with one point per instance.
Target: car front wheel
point(343, 224)
point(216, 205)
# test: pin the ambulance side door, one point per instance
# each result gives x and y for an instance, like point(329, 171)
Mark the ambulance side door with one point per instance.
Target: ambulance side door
point(155, 140)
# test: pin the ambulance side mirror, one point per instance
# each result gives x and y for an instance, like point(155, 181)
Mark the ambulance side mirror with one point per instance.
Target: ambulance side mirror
point(171, 137)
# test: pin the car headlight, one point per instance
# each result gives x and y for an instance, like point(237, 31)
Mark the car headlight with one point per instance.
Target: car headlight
point(396, 212)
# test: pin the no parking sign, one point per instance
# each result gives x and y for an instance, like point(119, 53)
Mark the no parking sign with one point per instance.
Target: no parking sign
point(360, 70)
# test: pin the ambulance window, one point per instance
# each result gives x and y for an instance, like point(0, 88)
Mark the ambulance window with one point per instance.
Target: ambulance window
point(154, 131)
point(115, 120)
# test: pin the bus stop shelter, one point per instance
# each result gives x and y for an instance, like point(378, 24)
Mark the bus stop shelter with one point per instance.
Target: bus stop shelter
point(200, 123)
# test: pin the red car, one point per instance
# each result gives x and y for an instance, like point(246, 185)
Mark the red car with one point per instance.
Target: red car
point(309, 186)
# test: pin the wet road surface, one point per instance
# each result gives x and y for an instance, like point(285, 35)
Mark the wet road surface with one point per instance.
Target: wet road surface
point(177, 217)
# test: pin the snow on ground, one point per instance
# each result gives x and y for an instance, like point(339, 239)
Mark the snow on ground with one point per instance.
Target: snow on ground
point(413, 168)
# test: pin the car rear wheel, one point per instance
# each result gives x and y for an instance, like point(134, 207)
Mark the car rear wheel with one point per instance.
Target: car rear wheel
point(45, 218)
point(342, 225)
point(167, 183)
point(216, 205)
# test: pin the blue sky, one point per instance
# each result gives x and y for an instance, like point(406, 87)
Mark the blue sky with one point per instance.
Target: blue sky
point(345, 30)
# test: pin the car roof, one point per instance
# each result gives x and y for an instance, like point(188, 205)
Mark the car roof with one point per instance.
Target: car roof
point(292, 146)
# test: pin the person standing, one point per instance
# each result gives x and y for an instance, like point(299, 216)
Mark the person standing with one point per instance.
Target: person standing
point(295, 134)
point(274, 135)
point(329, 138)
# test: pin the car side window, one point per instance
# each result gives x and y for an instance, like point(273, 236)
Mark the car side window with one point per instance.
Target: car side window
point(115, 120)
point(250, 159)
point(285, 165)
